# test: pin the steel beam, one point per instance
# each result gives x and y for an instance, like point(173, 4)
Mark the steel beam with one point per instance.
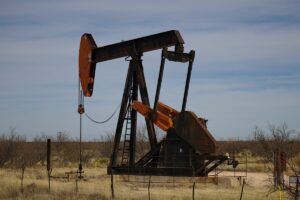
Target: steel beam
point(145, 101)
point(188, 78)
point(90, 54)
point(139, 46)
point(160, 76)
point(133, 114)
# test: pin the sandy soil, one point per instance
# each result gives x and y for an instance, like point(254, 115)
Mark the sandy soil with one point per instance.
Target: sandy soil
point(257, 179)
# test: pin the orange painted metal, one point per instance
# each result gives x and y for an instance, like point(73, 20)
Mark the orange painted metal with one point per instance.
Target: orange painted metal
point(162, 120)
point(166, 110)
point(86, 66)
point(186, 125)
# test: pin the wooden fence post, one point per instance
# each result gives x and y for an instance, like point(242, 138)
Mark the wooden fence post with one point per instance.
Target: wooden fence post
point(242, 189)
point(194, 190)
point(49, 170)
point(112, 184)
point(297, 189)
point(149, 187)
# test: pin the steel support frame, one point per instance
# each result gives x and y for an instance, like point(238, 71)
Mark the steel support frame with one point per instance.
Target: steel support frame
point(145, 101)
point(135, 79)
point(210, 164)
point(133, 115)
point(121, 118)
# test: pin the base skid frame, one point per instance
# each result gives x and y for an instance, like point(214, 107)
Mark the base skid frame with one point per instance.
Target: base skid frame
point(202, 171)
point(151, 171)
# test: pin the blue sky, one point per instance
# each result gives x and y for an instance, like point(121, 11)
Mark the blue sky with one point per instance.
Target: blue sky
point(246, 70)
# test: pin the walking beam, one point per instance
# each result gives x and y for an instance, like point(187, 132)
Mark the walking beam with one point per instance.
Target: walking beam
point(90, 54)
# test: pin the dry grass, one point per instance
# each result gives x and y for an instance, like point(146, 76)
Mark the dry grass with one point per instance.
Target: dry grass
point(96, 185)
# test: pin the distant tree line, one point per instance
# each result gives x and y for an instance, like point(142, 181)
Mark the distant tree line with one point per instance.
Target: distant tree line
point(17, 152)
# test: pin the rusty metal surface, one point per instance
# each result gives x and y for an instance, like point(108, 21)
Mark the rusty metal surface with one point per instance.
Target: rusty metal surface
point(86, 66)
point(189, 128)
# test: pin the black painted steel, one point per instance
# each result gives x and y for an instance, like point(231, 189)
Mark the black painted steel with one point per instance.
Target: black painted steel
point(160, 76)
point(122, 114)
point(143, 44)
point(188, 78)
point(133, 117)
point(145, 101)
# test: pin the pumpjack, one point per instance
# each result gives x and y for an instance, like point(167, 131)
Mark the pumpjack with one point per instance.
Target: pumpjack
point(188, 149)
